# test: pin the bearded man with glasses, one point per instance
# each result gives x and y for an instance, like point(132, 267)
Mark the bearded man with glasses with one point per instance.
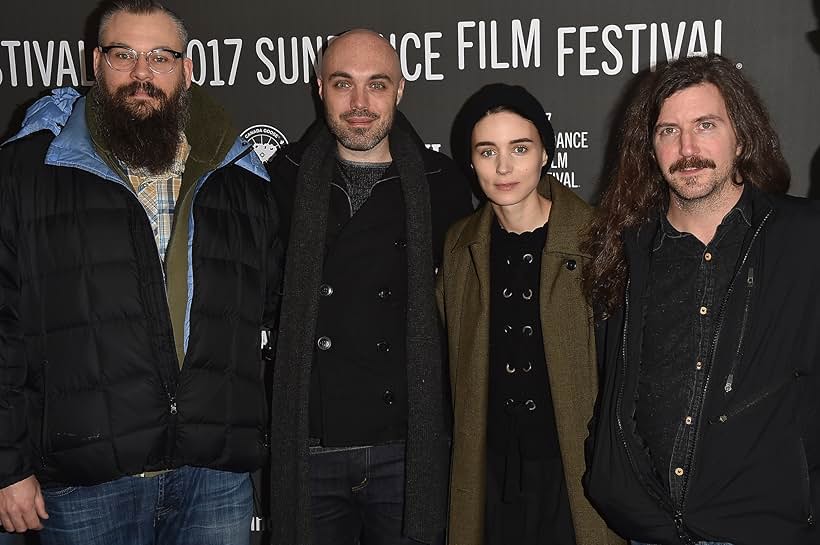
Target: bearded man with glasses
point(139, 261)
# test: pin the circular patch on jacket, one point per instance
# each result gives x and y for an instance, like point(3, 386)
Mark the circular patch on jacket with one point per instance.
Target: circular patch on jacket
point(266, 140)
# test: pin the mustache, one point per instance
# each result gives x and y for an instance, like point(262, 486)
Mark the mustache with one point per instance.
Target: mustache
point(356, 112)
point(145, 86)
point(691, 162)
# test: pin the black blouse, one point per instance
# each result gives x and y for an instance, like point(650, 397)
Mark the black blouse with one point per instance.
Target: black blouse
point(520, 415)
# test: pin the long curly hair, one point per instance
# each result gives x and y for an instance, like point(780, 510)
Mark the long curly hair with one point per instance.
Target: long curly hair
point(636, 189)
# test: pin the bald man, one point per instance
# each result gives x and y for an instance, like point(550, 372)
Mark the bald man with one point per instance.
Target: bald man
point(361, 425)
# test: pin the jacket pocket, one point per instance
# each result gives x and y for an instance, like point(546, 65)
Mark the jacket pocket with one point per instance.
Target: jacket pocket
point(748, 403)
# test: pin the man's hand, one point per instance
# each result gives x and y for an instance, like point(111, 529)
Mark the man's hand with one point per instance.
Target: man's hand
point(22, 506)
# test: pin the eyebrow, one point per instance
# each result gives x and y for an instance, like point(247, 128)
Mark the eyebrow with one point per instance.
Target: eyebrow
point(340, 74)
point(120, 44)
point(707, 117)
point(516, 141)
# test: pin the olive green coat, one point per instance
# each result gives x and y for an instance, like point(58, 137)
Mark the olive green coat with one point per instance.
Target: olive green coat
point(569, 346)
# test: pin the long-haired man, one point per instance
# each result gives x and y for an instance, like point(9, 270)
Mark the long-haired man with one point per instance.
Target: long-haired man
point(706, 427)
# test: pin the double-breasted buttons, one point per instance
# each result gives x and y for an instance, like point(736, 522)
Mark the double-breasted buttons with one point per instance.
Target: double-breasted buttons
point(324, 343)
point(383, 346)
point(400, 244)
point(388, 397)
point(325, 290)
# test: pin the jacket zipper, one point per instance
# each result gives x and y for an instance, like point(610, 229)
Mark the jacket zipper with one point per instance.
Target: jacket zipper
point(750, 403)
point(44, 420)
point(750, 281)
point(619, 401)
point(804, 467)
point(170, 391)
point(705, 389)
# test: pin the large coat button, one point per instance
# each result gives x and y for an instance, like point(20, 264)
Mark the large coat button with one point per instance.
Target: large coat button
point(388, 397)
point(325, 290)
point(571, 264)
point(324, 343)
point(383, 346)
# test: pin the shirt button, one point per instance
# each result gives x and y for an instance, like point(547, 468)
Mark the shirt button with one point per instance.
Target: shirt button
point(388, 397)
point(324, 343)
point(325, 290)
point(703, 311)
point(707, 256)
point(679, 471)
point(688, 420)
point(383, 346)
point(699, 365)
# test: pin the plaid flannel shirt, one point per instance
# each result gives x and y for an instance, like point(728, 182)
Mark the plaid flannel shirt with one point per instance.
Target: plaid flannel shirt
point(158, 194)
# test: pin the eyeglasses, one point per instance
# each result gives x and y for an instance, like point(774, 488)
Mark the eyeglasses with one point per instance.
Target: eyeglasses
point(123, 59)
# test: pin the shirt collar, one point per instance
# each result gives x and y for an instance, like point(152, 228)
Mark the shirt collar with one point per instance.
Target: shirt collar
point(741, 211)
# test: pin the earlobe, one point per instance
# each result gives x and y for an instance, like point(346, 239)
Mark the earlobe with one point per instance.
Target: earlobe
point(97, 58)
point(400, 91)
point(188, 67)
point(320, 88)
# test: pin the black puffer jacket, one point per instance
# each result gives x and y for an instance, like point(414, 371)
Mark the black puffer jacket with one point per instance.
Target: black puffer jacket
point(90, 381)
point(755, 472)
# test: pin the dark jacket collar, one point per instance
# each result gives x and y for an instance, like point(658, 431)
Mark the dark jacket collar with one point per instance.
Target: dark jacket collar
point(754, 205)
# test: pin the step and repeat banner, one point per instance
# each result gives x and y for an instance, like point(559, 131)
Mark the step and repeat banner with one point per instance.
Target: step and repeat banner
point(257, 58)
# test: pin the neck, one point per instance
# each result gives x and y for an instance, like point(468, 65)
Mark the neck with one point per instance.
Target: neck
point(527, 215)
point(702, 218)
point(380, 153)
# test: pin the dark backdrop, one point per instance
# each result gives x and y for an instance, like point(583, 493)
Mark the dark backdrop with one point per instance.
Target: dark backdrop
point(576, 57)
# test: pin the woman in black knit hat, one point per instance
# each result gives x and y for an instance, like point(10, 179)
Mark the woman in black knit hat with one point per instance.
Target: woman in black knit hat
point(521, 336)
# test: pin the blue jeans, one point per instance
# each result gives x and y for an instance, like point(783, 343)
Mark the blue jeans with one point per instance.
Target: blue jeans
point(186, 506)
point(699, 543)
point(357, 495)
point(11, 539)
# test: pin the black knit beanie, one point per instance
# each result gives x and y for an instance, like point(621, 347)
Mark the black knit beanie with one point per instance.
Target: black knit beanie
point(513, 97)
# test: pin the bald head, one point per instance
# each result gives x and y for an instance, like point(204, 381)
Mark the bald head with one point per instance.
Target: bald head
point(364, 45)
point(360, 85)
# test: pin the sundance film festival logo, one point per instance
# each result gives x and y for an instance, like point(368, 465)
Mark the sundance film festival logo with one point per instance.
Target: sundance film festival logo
point(266, 140)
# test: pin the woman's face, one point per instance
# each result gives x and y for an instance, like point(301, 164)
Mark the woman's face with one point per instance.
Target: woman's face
point(507, 155)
